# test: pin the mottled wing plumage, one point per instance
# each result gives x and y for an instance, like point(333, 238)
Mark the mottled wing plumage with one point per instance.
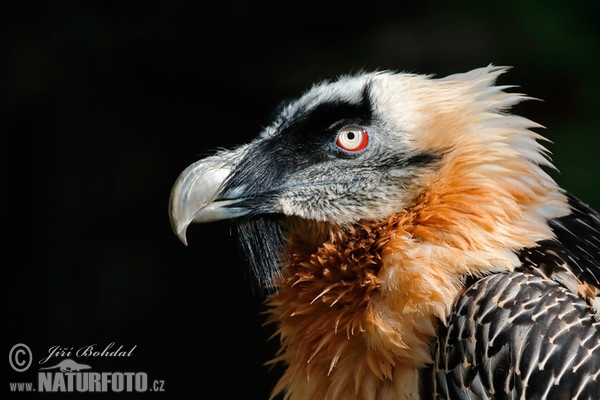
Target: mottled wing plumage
point(516, 336)
point(576, 248)
point(532, 333)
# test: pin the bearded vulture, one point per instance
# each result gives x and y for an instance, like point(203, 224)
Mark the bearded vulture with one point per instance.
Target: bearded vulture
point(412, 241)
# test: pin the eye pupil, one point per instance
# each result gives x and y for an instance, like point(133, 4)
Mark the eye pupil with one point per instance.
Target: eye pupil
point(351, 135)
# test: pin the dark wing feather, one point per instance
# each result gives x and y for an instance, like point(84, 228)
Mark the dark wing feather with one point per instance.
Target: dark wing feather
point(527, 334)
point(515, 336)
point(576, 247)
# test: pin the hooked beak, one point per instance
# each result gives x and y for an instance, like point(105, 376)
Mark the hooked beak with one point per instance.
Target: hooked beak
point(197, 194)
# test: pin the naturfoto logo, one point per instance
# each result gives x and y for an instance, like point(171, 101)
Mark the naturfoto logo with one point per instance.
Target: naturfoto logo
point(59, 372)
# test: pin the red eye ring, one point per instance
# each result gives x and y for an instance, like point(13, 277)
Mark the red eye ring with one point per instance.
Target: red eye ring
point(352, 138)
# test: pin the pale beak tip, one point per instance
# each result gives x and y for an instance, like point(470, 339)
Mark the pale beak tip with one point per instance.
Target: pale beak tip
point(180, 229)
point(182, 237)
point(193, 196)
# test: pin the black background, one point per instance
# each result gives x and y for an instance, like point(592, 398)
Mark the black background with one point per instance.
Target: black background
point(106, 103)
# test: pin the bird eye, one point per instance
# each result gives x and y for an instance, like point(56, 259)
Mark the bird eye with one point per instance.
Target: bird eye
point(352, 138)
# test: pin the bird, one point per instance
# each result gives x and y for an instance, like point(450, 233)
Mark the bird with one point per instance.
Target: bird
point(411, 241)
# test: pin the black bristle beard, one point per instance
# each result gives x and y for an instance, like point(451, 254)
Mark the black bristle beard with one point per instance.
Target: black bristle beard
point(261, 241)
